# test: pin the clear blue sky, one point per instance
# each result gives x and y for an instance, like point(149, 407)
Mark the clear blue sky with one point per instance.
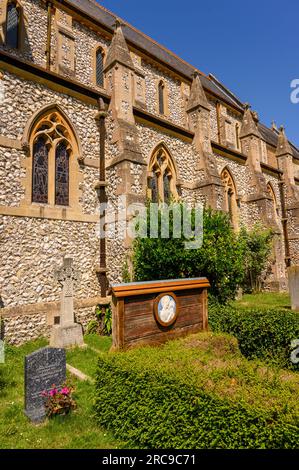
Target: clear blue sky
point(252, 47)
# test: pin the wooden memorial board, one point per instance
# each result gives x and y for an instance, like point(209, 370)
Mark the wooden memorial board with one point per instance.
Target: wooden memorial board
point(156, 311)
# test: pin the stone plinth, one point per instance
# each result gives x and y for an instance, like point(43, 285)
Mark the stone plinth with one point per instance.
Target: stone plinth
point(67, 336)
point(293, 273)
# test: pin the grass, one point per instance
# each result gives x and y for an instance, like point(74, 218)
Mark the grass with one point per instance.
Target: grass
point(218, 364)
point(76, 431)
point(86, 359)
point(264, 300)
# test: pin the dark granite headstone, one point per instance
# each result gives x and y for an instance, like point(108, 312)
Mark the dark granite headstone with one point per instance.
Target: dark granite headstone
point(43, 369)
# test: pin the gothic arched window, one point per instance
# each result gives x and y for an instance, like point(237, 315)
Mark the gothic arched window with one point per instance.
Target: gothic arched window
point(100, 67)
point(13, 18)
point(40, 171)
point(231, 204)
point(62, 174)
point(161, 89)
point(162, 177)
point(51, 153)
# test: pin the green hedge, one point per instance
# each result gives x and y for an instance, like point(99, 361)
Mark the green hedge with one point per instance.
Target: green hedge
point(263, 334)
point(194, 393)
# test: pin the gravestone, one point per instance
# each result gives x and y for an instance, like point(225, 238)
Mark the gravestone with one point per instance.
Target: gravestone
point(43, 369)
point(293, 273)
point(68, 333)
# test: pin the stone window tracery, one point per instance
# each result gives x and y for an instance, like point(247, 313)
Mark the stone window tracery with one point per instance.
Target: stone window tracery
point(162, 177)
point(231, 202)
point(51, 152)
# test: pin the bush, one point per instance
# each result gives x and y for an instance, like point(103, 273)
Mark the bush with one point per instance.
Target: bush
point(261, 333)
point(220, 258)
point(103, 324)
point(227, 259)
point(257, 246)
point(195, 393)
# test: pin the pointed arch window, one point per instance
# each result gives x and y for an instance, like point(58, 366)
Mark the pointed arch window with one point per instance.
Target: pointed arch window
point(100, 67)
point(231, 202)
point(13, 20)
point(40, 171)
point(162, 177)
point(52, 149)
point(62, 174)
point(161, 89)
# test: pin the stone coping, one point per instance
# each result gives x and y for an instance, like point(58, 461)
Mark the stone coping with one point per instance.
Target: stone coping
point(50, 307)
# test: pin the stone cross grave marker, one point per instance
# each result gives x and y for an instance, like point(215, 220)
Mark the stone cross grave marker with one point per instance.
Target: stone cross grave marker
point(67, 333)
point(66, 275)
point(43, 369)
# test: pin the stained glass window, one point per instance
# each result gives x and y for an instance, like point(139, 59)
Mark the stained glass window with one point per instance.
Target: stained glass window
point(99, 68)
point(12, 25)
point(162, 183)
point(167, 192)
point(40, 171)
point(154, 188)
point(161, 98)
point(62, 175)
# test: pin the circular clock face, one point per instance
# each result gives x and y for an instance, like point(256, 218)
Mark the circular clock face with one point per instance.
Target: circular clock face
point(166, 309)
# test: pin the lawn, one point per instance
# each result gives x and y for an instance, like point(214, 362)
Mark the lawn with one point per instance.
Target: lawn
point(72, 432)
point(219, 366)
point(264, 300)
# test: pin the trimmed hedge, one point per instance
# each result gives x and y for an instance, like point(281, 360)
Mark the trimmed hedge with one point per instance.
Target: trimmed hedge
point(263, 334)
point(194, 393)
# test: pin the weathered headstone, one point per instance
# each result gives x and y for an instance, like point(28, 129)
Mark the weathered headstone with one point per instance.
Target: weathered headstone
point(43, 369)
point(68, 333)
point(293, 273)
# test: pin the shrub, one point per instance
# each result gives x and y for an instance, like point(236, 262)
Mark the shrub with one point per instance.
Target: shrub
point(257, 247)
point(261, 333)
point(227, 259)
point(103, 324)
point(220, 258)
point(194, 393)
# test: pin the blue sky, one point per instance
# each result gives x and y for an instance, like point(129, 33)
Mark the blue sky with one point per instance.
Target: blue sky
point(251, 47)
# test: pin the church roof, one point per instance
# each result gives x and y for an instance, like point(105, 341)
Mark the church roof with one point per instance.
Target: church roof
point(151, 47)
point(136, 38)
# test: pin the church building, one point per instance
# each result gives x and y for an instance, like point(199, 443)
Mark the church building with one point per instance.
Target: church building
point(92, 109)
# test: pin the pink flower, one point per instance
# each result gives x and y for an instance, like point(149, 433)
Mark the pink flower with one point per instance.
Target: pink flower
point(65, 391)
point(44, 394)
point(53, 392)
